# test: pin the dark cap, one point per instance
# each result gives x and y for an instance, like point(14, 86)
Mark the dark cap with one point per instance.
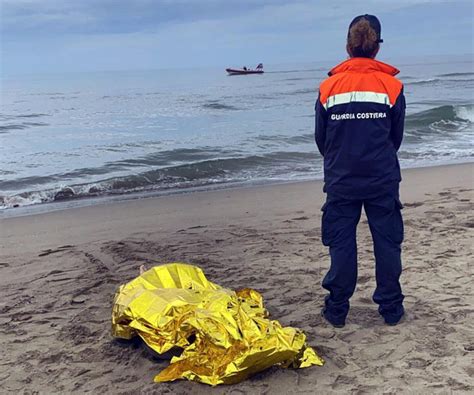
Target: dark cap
point(374, 24)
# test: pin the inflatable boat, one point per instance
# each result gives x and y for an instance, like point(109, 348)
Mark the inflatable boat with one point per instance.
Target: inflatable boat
point(245, 70)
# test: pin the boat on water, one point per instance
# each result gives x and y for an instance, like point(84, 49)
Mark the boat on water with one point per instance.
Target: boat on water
point(244, 70)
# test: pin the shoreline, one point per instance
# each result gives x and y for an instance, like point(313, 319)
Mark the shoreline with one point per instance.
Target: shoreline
point(143, 214)
point(60, 270)
point(80, 202)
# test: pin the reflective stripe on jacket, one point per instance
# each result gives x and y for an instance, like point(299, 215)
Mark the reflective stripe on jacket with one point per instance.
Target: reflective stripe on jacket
point(360, 115)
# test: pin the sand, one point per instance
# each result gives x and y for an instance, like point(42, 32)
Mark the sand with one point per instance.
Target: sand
point(59, 272)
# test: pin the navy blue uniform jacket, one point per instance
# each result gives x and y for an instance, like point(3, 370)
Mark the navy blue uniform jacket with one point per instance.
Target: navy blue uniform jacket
point(360, 114)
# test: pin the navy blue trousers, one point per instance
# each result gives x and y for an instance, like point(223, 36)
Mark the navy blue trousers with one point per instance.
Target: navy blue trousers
point(339, 223)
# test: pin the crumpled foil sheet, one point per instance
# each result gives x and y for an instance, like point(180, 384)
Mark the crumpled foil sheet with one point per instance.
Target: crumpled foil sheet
point(225, 335)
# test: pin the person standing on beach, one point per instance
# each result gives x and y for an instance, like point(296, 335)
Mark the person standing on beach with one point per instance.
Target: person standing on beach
point(360, 115)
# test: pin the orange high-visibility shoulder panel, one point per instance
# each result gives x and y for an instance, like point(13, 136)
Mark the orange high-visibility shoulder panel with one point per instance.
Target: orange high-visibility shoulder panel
point(361, 75)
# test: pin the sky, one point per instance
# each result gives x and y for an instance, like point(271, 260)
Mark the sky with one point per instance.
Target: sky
point(91, 35)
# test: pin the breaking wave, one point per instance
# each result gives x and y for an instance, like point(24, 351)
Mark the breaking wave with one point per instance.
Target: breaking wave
point(444, 121)
point(190, 175)
point(463, 113)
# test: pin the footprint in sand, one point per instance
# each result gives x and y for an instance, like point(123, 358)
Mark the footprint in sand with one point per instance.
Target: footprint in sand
point(54, 251)
point(419, 363)
point(414, 204)
point(303, 218)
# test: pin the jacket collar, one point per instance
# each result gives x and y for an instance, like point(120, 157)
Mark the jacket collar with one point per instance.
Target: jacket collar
point(363, 65)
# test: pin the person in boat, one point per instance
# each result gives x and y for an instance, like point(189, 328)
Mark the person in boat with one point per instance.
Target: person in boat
point(244, 68)
point(360, 116)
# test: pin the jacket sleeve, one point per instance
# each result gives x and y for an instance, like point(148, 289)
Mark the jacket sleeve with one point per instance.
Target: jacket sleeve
point(320, 125)
point(398, 120)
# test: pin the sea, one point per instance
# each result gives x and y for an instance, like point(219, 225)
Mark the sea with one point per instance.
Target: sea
point(86, 138)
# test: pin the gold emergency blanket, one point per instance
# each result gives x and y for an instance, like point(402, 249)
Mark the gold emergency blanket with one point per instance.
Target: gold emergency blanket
point(225, 335)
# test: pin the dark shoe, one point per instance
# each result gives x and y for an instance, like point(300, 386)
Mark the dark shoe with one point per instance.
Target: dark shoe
point(329, 321)
point(393, 322)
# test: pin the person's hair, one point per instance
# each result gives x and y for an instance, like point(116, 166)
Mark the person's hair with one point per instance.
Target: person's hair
point(362, 41)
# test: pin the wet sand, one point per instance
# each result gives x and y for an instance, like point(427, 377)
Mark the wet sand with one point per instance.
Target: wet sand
point(59, 272)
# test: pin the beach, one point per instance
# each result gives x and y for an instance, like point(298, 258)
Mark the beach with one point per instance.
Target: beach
point(60, 270)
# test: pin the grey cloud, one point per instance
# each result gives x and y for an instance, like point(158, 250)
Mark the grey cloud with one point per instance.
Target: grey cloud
point(42, 17)
point(53, 17)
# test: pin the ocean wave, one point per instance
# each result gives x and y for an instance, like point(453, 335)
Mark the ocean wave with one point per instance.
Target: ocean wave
point(166, 158)
point(465, 113)
point(430, 81)
point(442, 113)
point(6, 172)
point(62, 97)
point(297, 92)
point(423, 81)
point(160, 159)
point(20, 126)
point(216, 105)
point(282, 139)
point(33, 115)
point(195, 174)
point(46, 94)
point(442, 121)
point(456, 74)
point(5, 128)
point(299, 79)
